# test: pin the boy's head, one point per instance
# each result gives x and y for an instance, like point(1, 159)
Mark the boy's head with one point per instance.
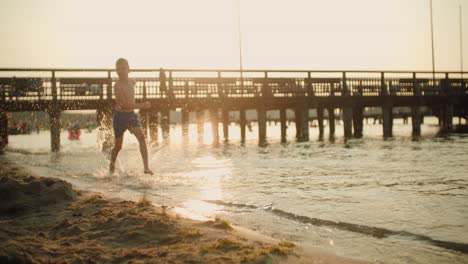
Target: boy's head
point(122, 67)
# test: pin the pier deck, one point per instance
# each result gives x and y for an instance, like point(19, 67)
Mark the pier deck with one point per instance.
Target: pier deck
point(57, 90)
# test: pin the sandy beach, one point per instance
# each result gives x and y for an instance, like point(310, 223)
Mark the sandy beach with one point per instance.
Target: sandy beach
point(46, 220)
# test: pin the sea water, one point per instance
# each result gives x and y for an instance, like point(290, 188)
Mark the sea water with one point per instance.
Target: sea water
point(395, 201)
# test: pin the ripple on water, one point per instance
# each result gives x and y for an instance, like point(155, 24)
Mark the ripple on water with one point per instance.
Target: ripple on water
point(393, 201)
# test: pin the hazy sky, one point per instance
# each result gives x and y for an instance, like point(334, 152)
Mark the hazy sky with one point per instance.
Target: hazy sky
point(286, 34)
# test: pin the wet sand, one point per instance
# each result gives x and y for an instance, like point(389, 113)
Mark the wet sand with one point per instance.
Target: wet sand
point(46, 220)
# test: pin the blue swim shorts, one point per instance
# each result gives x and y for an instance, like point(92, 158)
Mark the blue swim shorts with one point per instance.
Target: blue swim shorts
point(124, 121)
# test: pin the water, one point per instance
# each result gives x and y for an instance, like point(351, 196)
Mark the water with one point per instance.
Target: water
point(395, 201)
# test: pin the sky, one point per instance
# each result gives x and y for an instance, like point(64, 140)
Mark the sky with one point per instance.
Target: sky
point(276, 34)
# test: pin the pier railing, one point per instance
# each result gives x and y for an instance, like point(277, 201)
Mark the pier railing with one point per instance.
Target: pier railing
point(96, 84)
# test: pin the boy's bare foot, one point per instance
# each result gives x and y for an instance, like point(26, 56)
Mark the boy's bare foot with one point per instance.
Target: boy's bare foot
point(148, 171)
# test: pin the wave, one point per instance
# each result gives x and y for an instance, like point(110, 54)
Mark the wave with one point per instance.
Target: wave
point(27, 151)
point(376, 232)
point(63, 151)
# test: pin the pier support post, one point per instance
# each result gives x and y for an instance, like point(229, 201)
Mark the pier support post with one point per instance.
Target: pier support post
point(439, 115)
point(261, 114)
point(185, 123)
point(416, 117)
point(283, 124)
point(320, 121)
point(303, 120)
point(225, 124)
point(416, 120)
point(348, 122)
point(387, 116)
point(297, 122)
point(447, 118)
point(387, 111)
point(165, 123)
point(214, 125)
point(347, 110)
point(54, 117)
point(153, 126)
point(3, 130)
point(447, 109)
point(358, 120)
point(331, 121)
point(242, 123)
point(200, 125)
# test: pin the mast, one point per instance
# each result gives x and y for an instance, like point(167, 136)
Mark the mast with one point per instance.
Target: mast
point(240, 40)
point(432, 44)
point(461, 42)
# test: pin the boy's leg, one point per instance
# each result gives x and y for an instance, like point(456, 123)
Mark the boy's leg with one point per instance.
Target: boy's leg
point(138, 132)
point(115, 152)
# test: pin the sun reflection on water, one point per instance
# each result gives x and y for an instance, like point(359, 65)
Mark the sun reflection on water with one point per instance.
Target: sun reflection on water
point(211, 171)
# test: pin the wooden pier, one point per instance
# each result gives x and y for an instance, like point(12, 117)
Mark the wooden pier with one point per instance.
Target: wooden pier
point(224, 91)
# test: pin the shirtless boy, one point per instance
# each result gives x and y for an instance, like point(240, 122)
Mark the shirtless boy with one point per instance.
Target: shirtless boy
point(124, 117)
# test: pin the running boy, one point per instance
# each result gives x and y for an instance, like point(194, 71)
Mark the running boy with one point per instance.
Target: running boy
point(124, 117)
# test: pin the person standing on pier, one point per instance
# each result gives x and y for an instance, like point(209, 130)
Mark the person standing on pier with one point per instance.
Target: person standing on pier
point(124, 115)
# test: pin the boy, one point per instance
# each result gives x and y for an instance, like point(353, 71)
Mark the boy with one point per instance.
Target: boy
point(124, 117)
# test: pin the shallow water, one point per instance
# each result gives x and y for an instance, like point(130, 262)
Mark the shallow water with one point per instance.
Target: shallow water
point(394, 201)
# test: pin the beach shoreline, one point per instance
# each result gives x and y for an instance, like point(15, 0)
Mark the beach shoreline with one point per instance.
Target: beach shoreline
point(47, 220)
